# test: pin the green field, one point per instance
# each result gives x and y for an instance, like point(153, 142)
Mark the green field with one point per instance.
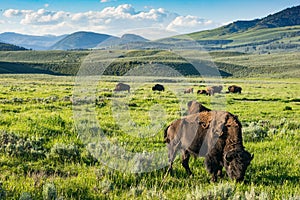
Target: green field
point(236, 64)
point(257, 39)
point(43, 153)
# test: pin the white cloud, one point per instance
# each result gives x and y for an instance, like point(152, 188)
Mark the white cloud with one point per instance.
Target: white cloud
point(44, 17)
point(110, 20)
point(15, 13)
point(190, 23)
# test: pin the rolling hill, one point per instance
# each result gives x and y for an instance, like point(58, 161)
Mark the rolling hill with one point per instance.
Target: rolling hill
point(261, 47)
point(11, 47)
point(116, 42)
point(80, 40)
point(276, 32)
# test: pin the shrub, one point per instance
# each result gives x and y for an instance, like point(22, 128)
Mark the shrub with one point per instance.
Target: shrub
point(25, 148)
point(221, 191)
point(2, 192)
point(63, 153)
point(25, 196)
point(255, 131)
point(49, 192)
point(287, 108)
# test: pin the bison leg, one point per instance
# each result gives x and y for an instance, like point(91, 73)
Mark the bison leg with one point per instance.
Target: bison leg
point(171, 155)
point(220, 174)
point(185, 161)
point(213, 167)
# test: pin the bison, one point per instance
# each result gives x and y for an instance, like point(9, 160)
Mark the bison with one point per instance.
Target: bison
point(214, 89)
point(196, 107)
point(189, 90)
point(234, 89)
point(202, 92)
point(122, 87)
point(215, 135)
point(158, 87)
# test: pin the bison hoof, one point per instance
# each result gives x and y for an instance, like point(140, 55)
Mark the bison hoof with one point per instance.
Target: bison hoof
point(214, 179)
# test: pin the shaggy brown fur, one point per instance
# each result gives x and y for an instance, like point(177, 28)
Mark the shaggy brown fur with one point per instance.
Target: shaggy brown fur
point(158, 87)
point(202, 92)
point(122, 87)
point(189, 90)
point(215, 135)
point(214, 89)
point(234, 89)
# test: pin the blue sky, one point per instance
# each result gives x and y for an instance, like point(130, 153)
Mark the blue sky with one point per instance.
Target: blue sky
point(150, 18)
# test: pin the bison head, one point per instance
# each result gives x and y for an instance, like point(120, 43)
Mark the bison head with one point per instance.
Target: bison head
point(236, 163)
point(236, 158)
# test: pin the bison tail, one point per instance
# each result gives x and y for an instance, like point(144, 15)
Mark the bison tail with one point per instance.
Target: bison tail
point(166, 139)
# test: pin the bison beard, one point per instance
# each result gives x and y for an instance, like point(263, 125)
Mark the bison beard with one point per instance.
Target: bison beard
point(215, 135)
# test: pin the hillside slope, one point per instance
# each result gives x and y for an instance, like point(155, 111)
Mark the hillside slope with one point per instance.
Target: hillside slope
point(276, 32)
point(10, 47)
point(119, 43)
point(236, 64)
point(80, 40)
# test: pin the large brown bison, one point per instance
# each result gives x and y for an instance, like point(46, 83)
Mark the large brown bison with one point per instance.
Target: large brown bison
point(122, 87)
point(214, 89)
point(158, 87)
point(234, 89)
point(215, 135)
point(188, 90)
point(202, 92)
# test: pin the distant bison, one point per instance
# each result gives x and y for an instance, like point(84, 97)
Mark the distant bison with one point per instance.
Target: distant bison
point(158, 87)
point(214, 89)
point(189, 90)
point(196, 107)
point(122, 87)
point(234, 89)
point(201, 92)
point(215, 135)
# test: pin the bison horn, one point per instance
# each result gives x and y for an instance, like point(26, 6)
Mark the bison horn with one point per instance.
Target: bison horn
point(229, 155)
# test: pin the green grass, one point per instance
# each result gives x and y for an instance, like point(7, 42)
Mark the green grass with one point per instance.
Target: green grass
point(257, 40)
point(237, 64)
point(46, 157)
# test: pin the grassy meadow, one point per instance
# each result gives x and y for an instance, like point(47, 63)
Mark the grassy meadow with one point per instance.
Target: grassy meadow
point(42, 156)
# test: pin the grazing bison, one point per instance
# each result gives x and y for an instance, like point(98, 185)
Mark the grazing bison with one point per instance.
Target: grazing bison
point(234, 89)
point(202, 92)
point(196, 107)
point(189, 90)
point(214, 89)
point(215, 135)
point(158, 87)
point(122, 87)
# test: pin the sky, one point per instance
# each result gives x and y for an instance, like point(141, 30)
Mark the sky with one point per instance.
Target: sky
point(149, 18)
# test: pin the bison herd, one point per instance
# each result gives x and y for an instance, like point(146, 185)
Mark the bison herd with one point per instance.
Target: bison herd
point(218, 89)
point(214, 135)
point(211, 90)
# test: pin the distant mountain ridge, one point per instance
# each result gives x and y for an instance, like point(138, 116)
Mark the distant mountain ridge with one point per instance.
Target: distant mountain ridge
point(123, 40)
point(279, 31)
point(80, 40)
point(30, 41)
